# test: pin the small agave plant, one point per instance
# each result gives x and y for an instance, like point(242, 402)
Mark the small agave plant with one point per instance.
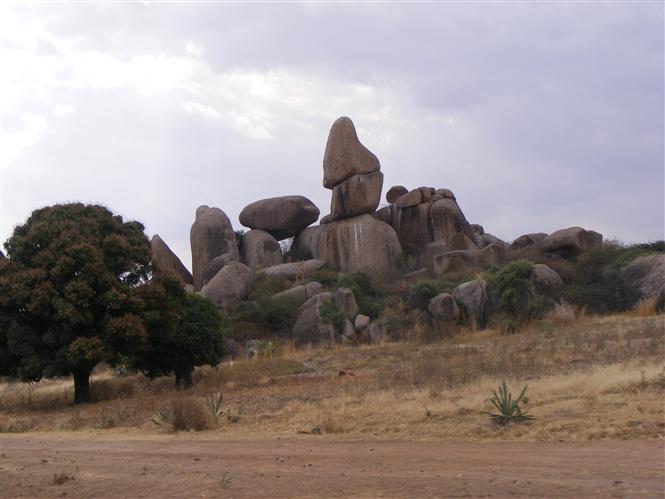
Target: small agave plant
point(509, 409)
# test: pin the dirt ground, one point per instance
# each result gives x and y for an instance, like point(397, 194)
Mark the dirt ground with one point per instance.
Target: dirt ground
point(91, 465)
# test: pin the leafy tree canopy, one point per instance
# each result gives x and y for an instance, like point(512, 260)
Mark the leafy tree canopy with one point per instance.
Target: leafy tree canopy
point(68, 293)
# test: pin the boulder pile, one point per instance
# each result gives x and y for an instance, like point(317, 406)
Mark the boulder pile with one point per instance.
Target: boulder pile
point(426, 223)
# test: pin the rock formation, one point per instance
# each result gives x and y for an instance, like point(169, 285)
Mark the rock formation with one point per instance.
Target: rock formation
point(444, 308)
point(350, 239)
point(472, 296)
point(167, 261)
point(294, 270)
point(229, 286)
point(300, 294)
point(211, 236)
point(642, 278)
point(282, 217)
point(571, 241)
point(258, 249)
point(356, 244)
point(345, 156)
point(395, 192)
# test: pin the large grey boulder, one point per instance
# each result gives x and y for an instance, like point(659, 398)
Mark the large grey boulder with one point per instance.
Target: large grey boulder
point(444, 308)
point(384, 214)
point(300, 294)
point(294, 270)
point(215, 265)
point(229, 286)
point(377, 332)
point(412, 198)
point(282, 217)
point(358, 244)
point(309, 241)
point(643, 277)
point(546, 286)
point(528, 240)
point(447, 220)
point(258, 249)
point(356, 195)
point(413, 227)
point(395, 192)
point(345, 155)
point(461, 262)
point(571, 241)
point(660, 300)
point(472, 296)
point(345, 301)
point(211, 235)
point(166, 260)
point(309, 327)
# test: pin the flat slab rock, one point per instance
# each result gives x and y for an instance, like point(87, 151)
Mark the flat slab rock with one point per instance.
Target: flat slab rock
point(293, 270)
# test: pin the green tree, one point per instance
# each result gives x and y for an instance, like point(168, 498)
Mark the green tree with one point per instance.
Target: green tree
point(183, 331)
point(68, 293)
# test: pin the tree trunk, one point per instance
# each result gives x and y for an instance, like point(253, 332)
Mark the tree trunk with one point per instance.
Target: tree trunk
point(183, 378)
point(82, 386)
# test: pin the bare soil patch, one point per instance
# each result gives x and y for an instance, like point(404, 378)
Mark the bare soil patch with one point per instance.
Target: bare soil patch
point(204, 465)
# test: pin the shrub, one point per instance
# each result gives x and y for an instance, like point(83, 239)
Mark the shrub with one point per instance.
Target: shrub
point(421, 292)
point(188, 415)
point(327, 277)
point(369, 299)
point(509, 409)
point(509, 291)
point(596, 282)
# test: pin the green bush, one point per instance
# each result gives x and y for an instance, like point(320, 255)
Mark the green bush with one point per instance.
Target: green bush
point(327, 277)
point(509, 293)
point(420, 293)
point(596, 284)
point(369, 299)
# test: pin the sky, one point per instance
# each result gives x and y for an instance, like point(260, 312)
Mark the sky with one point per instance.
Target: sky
point(537, 116)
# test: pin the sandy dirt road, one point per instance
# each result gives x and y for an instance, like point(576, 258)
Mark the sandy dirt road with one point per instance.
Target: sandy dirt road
point(314, 466)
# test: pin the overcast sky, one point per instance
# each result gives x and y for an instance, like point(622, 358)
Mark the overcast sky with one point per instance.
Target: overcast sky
point(537, 116)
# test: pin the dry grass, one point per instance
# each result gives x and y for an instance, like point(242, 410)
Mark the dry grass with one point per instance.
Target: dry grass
point(589, 378)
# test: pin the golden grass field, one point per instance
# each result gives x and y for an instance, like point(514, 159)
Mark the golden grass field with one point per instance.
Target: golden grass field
point(589, 378)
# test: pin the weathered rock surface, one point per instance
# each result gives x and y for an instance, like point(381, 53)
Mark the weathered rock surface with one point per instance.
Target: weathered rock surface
point(293, 270)
point(211, 235)
point(571, 241)
point(357, 244)
point(377, 332)
point(348, 332)
point(528, 240)
point(384, 214)
point(309, 327)
point(258, 249)
point(466, 261)
point(361, 322)
point(472, 296)
point(215, 265)
point(487, 239)
point(345, 302)
point(413, 227)
point(478, 229)
point(230, 285)
point(643, 278)
point(166, 260)
point(300, 294)
point(395, 192)
point(660, 300)
point(412, 198)
point(356, 195)
point(545, 282)
point(282, 217)
point(345, 155)
point(444, 308)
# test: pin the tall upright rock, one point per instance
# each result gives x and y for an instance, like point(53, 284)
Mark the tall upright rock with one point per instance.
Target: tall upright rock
point(211, 236)
point(168, 261)
point(351, 240)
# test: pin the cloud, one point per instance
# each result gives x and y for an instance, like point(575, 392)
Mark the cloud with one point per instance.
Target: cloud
point(538, 117)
